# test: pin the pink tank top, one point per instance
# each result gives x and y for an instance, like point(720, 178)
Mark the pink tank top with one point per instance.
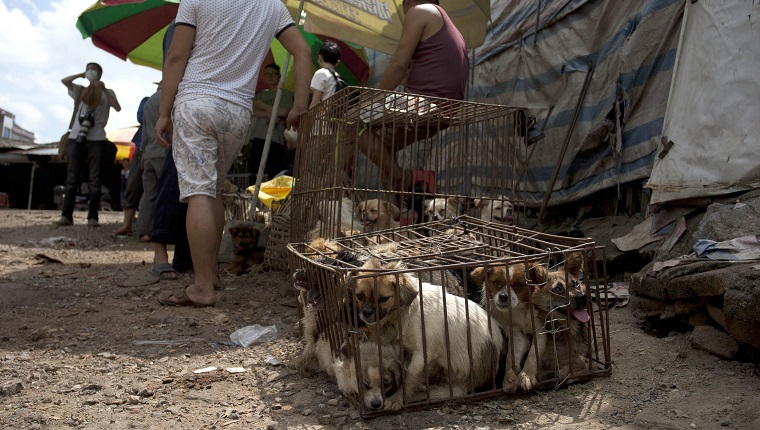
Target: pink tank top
point(440, 63)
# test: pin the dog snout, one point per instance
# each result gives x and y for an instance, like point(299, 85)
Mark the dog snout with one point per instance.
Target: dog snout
point(580, 301)
point(368, 313)
point(375, 403)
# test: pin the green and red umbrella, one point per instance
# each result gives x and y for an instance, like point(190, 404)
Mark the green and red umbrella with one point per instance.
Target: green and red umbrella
point(134, 30)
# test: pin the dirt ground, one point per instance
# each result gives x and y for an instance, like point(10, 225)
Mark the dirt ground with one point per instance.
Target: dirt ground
point(77, 350)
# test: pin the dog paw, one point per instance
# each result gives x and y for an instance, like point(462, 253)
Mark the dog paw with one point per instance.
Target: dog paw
point(510, 382)
point(526, 381)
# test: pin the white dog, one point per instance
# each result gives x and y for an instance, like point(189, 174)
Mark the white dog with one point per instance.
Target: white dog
point(499, 209)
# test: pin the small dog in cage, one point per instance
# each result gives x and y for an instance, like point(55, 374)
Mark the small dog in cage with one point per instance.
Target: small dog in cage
point(316, 347)
point(245, 249)
point(381, 374)
point(328, 224)
point(391, 304)
point(499, 209)
point(506, 294)
point(562, 305)
point(440, 209)
point(377, 214)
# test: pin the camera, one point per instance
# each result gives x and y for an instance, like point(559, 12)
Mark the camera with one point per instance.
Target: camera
point(86, 119)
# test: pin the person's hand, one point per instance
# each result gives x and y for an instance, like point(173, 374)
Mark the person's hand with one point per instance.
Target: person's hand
point(294, 116)
point(164, 131)
point(98, 84)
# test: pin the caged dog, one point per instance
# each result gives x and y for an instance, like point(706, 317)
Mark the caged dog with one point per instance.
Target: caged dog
point(392, 306)
point(562, 304)
point(245, 249)
point(316, 352)
point(377, 214)
point(499, 209)
point(335, 219)
point(550, 296)
point(506, 295)
point(380, 374)
point(440, 209)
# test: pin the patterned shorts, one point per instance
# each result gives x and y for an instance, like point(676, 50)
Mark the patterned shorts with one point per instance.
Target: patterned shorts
point(208, 135)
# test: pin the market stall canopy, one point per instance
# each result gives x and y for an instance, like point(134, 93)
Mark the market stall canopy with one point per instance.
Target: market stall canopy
point(377, 24)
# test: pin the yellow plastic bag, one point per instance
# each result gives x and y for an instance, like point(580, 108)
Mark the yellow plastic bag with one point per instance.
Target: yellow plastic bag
point(275, 190)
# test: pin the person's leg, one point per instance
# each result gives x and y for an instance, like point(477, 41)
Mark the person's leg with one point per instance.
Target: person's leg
point(151, 172)
point(94, 151)
point(133, 194)
point(384, 158)
point(208, 135)
point(74, 157)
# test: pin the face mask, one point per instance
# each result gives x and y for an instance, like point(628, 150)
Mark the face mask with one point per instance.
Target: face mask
point(91, 75)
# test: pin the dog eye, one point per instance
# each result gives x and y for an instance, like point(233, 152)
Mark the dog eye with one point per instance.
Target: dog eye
point(558, 290)
point(366, 385)
point(360, 297)
point(383, 299)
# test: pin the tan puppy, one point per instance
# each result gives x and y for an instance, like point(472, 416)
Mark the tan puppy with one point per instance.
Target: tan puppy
point(391, 306)
point(440, 209)
point(499, 209)
point(380, 375)
point(376, 214)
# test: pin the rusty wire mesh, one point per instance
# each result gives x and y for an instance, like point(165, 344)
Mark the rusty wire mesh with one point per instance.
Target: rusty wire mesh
point(404, 149)
point(443, 254)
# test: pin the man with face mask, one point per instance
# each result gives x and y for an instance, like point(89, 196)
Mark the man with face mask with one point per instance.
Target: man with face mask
point(87, 141)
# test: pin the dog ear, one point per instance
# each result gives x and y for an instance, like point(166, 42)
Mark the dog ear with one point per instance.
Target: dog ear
point(346, 350)
point(406, 291)
point(536, 274)
point(361, 206)
point(235, 230)
point(454, 202)
point(574, 264)
point(479, 275)
point(477, 203)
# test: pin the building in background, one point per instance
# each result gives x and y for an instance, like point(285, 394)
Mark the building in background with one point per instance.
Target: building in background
point(11, 130)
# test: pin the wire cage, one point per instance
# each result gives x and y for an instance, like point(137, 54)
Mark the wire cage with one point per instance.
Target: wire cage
point(451, 310)
point(371, 159)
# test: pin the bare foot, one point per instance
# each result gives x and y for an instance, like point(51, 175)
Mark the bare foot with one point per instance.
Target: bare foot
point(122, 231)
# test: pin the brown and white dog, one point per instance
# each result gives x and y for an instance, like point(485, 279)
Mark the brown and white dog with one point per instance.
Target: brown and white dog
point(245, 250)
point(392, 307)
point(377, 214)
point(506, 295)
point(550, 296)
point(499, 209)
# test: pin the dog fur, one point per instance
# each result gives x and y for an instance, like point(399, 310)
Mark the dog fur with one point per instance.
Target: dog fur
point(377, 214)
point(386, 301)
point(245, 250)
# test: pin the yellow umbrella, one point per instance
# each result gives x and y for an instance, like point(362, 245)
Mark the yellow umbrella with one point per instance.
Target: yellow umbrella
point(377, 25)
point(122, 138)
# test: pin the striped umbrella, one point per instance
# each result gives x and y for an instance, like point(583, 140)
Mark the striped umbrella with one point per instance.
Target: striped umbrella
point(134, 30)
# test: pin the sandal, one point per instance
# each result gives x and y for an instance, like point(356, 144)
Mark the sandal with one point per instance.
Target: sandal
point(164, 271)
point(181, 299)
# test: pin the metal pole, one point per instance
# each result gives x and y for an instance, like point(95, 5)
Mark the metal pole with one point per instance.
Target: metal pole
point(270, 130)
point(31, 185)
point(569, 134)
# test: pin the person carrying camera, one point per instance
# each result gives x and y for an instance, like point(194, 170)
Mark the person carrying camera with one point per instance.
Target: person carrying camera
point(86, 141)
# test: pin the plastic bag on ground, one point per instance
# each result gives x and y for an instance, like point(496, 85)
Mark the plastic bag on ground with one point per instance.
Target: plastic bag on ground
point(251, 334)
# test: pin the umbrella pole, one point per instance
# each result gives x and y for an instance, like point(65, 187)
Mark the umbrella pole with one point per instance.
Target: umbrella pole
point(270, 130)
